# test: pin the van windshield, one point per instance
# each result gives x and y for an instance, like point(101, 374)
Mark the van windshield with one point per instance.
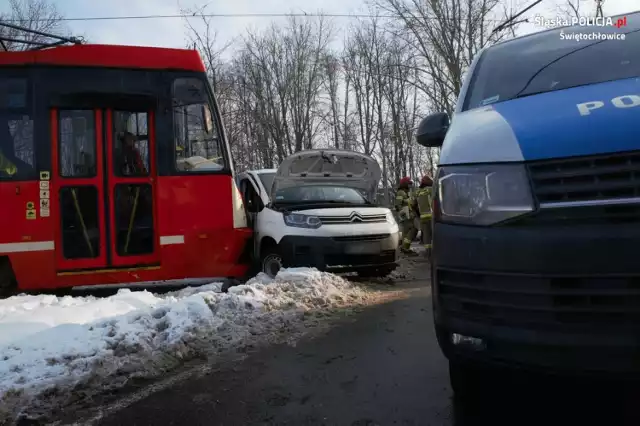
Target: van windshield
point(547, 62)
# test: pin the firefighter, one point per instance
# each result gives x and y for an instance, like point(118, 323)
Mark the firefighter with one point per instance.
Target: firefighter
point(132, 164)
point(424, 197)
point(10, 164)
point(6, 166)
point(405, 206)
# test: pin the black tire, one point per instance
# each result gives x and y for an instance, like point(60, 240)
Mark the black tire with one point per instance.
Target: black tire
point(375, 272)
point(467, 381)
point(271, 261)
point(231, 282)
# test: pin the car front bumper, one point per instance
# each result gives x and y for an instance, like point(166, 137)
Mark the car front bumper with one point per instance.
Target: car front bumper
point(341, 253)
point(565, 298)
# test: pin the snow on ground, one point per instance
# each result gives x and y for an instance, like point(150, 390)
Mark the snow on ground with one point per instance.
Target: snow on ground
point(57, 351)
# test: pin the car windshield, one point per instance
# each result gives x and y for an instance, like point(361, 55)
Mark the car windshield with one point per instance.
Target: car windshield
point(320, 194)
point(267, 180)
point(547, 62)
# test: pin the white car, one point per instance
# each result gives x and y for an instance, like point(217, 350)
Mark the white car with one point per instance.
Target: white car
point(314, 210)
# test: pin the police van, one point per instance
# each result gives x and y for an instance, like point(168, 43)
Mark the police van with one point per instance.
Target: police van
point(537, 207)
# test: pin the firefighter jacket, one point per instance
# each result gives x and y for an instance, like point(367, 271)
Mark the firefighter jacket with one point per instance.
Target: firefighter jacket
point(404, 205)
point(424, 202)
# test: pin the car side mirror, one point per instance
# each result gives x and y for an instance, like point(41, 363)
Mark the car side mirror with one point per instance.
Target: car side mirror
point(207, 118)
point(432, 130)
point(255, 205)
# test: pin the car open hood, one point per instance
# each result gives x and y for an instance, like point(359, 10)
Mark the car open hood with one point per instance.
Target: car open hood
point(328, 166)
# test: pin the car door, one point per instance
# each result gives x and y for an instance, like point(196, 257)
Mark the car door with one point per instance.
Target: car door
point(253, 206)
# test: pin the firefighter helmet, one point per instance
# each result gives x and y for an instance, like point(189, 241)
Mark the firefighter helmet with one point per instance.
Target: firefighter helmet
point(426, 180)
point(406, 181)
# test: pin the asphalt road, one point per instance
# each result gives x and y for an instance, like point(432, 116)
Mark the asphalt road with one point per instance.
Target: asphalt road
point(384, 368)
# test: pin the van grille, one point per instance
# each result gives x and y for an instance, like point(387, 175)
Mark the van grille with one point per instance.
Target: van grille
point(584, 215)
point(541, 302)
point(353, 218)
point(603, 177)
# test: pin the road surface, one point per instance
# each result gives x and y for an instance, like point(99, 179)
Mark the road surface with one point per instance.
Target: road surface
point(384, 368)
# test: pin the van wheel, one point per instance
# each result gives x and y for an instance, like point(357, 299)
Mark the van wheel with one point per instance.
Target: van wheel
point(8, 283)
point(271, 262)
point(466, 380)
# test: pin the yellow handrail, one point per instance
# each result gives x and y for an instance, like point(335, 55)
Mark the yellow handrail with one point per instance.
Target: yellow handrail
point(133, 215)
point(84, 227)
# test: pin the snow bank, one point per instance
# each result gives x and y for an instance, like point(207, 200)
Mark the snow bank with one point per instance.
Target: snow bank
point(56, 351)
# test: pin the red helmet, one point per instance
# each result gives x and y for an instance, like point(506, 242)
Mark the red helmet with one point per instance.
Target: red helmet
point(405, 181)
point(426, 180)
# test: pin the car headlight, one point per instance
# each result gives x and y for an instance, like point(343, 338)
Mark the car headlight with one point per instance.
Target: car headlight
point(391, 219)
point(302, 220)
point(483, 195)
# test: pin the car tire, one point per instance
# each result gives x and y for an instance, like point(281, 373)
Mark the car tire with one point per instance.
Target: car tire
point(271, 262)
point(230, 283)
point(375, 272)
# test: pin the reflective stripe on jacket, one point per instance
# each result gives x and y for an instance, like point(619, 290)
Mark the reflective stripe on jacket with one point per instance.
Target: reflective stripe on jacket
point(7, 166)
point(403, 204)
point(424, 202)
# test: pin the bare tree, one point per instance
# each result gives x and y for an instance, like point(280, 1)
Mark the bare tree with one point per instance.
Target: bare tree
point(205, 41)
point(38, 15)
point(305, 49)
point(331, 64)
point(358, 73)
point(283, 89)
point(445, 35)
point(575, 8)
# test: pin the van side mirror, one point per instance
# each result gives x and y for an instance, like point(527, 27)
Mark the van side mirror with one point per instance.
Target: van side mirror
point(432, 130)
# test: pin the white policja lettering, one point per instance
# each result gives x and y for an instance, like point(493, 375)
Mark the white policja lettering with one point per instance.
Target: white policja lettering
point(624, 101)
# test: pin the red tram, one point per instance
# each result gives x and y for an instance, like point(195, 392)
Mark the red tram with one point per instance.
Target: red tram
point(114, 169)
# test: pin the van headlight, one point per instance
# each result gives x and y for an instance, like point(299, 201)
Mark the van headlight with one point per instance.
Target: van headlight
point(302, 220)
point(483, 195)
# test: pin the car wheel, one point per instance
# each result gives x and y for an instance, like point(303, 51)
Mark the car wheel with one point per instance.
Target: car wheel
point(375, 272)
point(271, 262)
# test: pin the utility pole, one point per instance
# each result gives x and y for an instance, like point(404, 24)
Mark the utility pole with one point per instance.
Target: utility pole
point(599, 13)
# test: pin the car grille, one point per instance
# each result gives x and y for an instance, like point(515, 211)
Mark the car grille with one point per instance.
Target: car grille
point(353, 218)
point(373, 237)
point(603, 177)
point(541, 302)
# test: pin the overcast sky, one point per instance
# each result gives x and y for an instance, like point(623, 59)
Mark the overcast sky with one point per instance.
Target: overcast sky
point(171, 32)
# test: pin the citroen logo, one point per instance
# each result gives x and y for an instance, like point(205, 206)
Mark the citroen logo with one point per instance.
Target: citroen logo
point(355, 217)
